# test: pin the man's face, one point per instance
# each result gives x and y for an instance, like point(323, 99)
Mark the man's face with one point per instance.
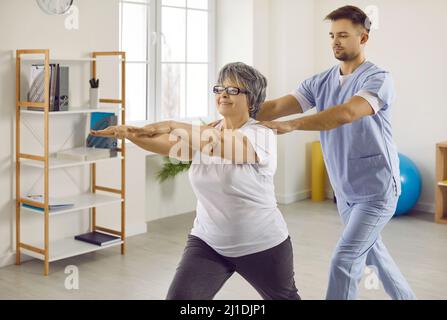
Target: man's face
point(348, 40)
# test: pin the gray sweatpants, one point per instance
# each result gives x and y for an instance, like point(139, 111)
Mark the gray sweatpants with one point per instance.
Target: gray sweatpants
point(202, 272)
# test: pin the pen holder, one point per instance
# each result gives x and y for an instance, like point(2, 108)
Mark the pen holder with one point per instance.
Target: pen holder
point(94, 98)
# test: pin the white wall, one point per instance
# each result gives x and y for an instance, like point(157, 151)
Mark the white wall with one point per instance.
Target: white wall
point(292, 60)
point(234, 31)
point(409, 43)
point(24, 26)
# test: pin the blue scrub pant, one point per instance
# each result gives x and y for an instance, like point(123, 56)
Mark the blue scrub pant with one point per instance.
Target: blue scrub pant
point(361, 245)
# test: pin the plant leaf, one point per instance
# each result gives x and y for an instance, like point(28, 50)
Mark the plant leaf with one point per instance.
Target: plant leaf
point(171, 168)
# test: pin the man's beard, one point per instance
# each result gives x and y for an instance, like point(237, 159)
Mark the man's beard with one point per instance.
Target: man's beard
point(343, 57)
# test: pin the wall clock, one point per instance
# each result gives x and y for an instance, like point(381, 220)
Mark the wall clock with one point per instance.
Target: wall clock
point(55, 7)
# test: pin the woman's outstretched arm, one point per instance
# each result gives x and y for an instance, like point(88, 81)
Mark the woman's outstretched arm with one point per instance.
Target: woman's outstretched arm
point(163, 144)
point(227, 144)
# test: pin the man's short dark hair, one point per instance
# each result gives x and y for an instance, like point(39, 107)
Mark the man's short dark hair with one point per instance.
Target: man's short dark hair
point(356, 15)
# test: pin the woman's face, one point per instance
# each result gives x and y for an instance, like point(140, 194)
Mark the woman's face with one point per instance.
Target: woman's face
point(231, 105)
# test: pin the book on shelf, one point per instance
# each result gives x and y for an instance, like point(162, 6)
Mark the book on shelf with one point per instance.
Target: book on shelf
point(98, 238)
point(101, 121)
point(61, 98)
point(59, 77)
point(84, 154)
point(36, 84)
point(54, 204)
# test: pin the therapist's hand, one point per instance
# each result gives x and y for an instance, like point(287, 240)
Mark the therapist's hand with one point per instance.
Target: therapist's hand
point(152, 130)
point(120, 132)
point(280, 127)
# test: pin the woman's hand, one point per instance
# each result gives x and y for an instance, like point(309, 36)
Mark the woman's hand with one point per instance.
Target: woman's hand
point(119, 132)
point(280, 127)
point(153, 129)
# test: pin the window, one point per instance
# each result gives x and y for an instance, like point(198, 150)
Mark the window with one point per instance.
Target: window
point(170, 54)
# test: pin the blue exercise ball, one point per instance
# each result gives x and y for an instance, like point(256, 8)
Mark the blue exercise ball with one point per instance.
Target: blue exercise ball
point(411, 182)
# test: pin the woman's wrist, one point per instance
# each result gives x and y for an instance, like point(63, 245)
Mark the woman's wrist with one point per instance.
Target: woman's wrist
point(296, 124)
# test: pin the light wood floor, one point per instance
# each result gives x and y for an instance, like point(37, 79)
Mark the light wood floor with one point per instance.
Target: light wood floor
point(418, 245)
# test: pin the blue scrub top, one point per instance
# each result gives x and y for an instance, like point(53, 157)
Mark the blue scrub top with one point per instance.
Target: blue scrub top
point(361, 157)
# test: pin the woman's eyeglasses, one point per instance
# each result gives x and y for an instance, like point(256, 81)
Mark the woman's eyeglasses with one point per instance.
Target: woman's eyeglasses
point(234, 91)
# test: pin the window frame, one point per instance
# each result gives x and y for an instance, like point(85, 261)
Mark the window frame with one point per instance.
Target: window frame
point(154, 62)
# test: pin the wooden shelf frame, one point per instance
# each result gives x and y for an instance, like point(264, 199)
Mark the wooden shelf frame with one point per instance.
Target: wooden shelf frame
point(43, 249)
point(122, 102)
point(441, 183)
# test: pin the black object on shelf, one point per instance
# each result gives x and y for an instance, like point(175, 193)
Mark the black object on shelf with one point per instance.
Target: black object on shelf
point(94, 83)
point(98, 238)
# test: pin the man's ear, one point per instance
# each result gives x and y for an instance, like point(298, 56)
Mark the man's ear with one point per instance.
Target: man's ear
point(365, 38)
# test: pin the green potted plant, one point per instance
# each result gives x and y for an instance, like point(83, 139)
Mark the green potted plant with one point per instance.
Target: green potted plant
point(171, 168)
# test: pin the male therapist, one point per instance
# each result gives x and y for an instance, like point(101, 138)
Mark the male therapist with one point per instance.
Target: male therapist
point(353, 101)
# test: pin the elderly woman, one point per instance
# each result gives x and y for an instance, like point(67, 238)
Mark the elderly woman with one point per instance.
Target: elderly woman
point(238, 227)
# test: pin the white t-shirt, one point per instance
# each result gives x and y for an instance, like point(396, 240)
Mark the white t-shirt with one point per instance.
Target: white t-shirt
point(237, 214)
point(372, 99)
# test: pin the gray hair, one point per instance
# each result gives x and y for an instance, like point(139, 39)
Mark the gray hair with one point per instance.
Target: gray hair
point(250, 79)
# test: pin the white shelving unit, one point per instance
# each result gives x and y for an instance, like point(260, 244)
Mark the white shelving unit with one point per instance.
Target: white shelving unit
point(73, 110)
point(49, 249)
point(36, 57)
point(67, 248)
point(81, 202)
point(55, 163)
